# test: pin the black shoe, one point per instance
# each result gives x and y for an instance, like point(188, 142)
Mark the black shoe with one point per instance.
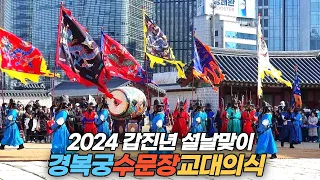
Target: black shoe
point(319, 146)
point(274, 156)
point(282, 144)
point(20, 147)
point(258, 157)
point(2, 147)
point(291, 145)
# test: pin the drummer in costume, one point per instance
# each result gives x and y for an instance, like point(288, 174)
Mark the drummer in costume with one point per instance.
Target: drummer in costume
point(234, 116)
point(158, 118)
point(102, 120)
point(181, 118)
point(288, 132)
point(196, 125)
point(60, 140)
point(11, 135)
point(88, 120)
point(158, 124)
point(266, 143)
point(297, 123)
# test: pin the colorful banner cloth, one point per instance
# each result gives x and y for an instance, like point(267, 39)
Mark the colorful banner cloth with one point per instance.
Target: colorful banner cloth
point(157, 48)
point(79, 55)
point(205, 65)
point(120, 62)
point(21, 60)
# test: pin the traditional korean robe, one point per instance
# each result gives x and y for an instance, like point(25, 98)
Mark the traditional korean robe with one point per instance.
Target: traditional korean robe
point(102, 122)
point(234, 123)
point(60, 140)
point(266, 143)
point(11, 135)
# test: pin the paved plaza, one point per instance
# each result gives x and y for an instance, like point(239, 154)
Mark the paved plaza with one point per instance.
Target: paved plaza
point(31, 162)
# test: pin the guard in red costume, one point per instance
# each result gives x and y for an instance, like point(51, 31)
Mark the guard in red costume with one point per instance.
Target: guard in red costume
point(248, 118)
point(88, 120)
point(181, 118)
point(224, 119)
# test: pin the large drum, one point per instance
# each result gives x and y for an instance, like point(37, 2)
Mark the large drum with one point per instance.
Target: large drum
point(133, 103)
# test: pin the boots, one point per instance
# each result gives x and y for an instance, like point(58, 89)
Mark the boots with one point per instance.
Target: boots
point(20, 146)
point(258, 156)
point(291, 145)
point(282, 144)
point(2, 147)
point(274, 156)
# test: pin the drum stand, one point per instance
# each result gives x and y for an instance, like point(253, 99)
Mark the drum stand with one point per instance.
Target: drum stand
point(131, 125)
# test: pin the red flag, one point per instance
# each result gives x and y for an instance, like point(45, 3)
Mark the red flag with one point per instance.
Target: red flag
point(120, 62)
point(185, 106)
point(21, 60)
point(79, 55)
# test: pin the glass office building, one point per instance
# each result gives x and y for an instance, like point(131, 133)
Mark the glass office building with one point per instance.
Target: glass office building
point(291, 25)
point(175, 18)
point(37, 22)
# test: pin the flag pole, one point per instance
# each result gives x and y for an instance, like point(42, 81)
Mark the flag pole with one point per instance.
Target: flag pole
point(57, 50)
point(258, 97)
point(145, 56)
point(192, 88)
point(2, 84)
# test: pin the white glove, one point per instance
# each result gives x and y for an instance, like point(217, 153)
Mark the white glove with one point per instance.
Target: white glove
point(10, 118)
point(60, 121)
point(133, 130)
point(265, 122)
point(102, 117)
point(159, 124)
point(96, 116)
point(198, 120)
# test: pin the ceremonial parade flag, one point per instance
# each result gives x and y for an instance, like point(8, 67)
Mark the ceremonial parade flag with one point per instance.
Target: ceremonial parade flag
point(264, 65)
point(120, 62)
point(79, 55)
point(156, 46)
point(20, 60)
point(296, 93)
point(206, 65)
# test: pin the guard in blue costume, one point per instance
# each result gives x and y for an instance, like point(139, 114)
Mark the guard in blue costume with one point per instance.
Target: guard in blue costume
point(11, 133)
point(197, 120)
point(297, 123)
point(266, 143)
point(288, 132)
point(158, 124)
point(211, 126)
point(102, 122)
point(60, 140)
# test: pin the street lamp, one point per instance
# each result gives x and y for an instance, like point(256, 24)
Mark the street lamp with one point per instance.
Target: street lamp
point(213, 5)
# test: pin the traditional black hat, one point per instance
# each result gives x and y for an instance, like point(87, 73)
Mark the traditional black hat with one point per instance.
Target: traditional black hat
point(64, 99)
point(181, 103)
point(161, 104)
point(208, 105)
point(156, 102)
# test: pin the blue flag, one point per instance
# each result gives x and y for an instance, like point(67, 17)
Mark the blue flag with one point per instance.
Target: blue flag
point(296, 93)
point(205, 65)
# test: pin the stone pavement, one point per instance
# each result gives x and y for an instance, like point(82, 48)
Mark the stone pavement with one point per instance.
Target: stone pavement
point(275, 169)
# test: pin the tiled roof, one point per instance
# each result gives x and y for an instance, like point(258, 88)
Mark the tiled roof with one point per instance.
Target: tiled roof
point(241, 66)
point(30, 86)
point(27, 93)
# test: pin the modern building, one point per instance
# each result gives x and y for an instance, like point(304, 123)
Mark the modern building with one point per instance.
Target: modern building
point(1, 13)
point(175, 18)
point(291, 25)
point(37, 22)
point(233, 25)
